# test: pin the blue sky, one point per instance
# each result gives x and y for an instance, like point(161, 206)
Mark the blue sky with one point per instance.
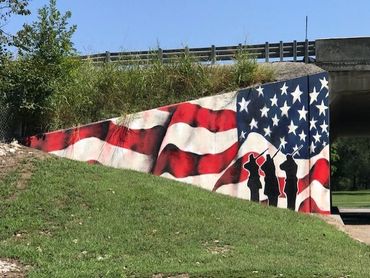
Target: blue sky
point(120, 25)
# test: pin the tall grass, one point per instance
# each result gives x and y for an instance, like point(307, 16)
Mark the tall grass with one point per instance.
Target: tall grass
point(97, 92)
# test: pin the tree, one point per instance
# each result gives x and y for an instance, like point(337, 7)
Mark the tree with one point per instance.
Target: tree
point(351, 163)
point(7, 9)
point(50, 38)
point(42, 64)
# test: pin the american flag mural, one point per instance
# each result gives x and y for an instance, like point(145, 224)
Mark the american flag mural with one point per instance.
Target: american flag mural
point(268, 144)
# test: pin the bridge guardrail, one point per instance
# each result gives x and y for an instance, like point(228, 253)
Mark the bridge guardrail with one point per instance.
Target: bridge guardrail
point(212, 54)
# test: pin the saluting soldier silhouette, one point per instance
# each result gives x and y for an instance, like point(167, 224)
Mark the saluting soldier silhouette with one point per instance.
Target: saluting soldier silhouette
point(271, 181)
point(254, 182)
point(290, 167)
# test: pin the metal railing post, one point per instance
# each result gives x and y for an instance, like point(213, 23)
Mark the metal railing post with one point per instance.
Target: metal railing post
point(306, 51)
point(281, 50)
point(213, 55)
point(107, 56)
point(267, 52)
point(295, 51)
point(160, 54)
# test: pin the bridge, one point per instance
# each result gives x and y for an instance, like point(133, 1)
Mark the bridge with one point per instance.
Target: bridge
point(346, 59)
point(348, 62)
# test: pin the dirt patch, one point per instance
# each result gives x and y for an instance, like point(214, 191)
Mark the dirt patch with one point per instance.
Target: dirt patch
point(11, 269)
point(165, 276)
point(217, 248)
point(14, 156)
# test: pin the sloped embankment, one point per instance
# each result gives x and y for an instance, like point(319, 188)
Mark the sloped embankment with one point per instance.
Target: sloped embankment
point(74, 219)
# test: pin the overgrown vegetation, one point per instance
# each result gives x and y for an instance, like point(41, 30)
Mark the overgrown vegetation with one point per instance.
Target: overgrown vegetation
point(110, 90)
point(80, 220)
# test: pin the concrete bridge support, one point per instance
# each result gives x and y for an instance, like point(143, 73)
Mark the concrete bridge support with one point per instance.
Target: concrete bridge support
point(348, 62)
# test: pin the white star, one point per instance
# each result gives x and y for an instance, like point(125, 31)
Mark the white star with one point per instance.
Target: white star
point(292, 128)
point(302, 113)
point(253, 123)
point(324, 128)
point(324, 144)
point(317, 137)
point(264, 111)
point(322, 107)
point(295, 149)
point(312, 147)
point(284, 89)
point(284, 109)
point(274, 101)
point(302, 136)
point(324, 84)
point(282, 142)
point(244, 105)
point(242, 135)
point(313, 95)
point(275, 121)
point(313, 123)
point(267, 131)
point(260, 91)
point(296, 94)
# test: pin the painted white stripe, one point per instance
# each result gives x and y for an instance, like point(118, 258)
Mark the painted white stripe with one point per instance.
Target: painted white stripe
point(198, 140)
point(95, 149)
point(218, 102)
point(143, 120)
point(319, 193)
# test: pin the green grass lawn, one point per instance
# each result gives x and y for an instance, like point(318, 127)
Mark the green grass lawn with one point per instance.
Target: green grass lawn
point(79, 220)
point(351, 199)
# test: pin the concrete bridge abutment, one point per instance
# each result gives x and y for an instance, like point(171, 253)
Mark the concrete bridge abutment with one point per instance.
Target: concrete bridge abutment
point(348, 62)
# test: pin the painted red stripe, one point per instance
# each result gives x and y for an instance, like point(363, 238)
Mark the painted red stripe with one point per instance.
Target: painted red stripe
point(145, 141)
point(321, 171)
point(197, 116)
point(281, 187)
point(183, 164)
point(309, 206)
point(61, 139)
point(93, 161)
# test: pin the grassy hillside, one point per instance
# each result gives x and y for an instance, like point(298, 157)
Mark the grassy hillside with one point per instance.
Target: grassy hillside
point(79, 220)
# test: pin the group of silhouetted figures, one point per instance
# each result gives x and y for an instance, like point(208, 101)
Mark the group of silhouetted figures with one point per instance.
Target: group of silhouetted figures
point(272, 190)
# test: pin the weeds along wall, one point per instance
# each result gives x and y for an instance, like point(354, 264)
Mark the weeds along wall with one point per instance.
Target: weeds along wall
point(268, 144)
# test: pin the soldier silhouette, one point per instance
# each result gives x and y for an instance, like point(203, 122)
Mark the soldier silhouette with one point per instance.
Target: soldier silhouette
point(271, 182)
point(254, 182)
point(290, 189)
